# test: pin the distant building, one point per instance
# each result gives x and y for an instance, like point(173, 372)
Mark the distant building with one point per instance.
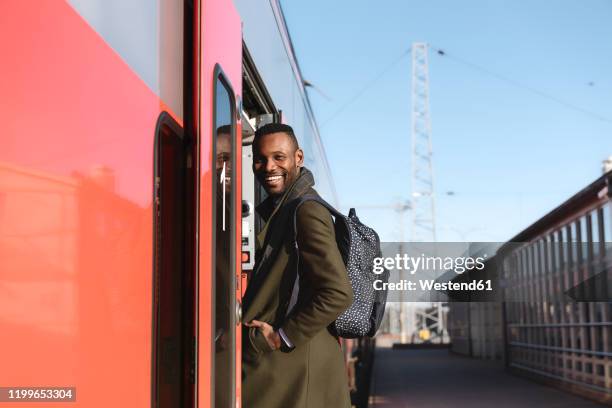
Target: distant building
point(607, 165)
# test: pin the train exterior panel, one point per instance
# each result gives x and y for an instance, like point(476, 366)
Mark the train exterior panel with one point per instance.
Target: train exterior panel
point(76, 188)
point(110, 112)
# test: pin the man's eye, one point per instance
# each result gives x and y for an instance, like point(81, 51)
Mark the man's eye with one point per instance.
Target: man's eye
point(279, 157)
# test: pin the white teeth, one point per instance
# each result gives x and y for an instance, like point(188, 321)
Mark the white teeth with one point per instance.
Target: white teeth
point(273, 178)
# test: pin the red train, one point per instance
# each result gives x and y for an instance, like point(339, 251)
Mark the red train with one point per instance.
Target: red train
point(123, 229)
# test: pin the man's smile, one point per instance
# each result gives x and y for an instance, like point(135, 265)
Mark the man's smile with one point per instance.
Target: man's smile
point(274, 180)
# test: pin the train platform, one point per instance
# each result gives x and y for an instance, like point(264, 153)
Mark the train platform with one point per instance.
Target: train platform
point(436, 378)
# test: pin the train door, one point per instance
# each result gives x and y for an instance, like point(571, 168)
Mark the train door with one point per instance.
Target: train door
point(219, 41)
point(174, 282)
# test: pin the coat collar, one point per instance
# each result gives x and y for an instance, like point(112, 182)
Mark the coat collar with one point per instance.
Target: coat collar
point(269, 239)
point(300, 186)
point(271, 206)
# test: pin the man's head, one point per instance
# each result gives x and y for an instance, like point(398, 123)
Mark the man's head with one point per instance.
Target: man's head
point(224, 152)
point(277, 158)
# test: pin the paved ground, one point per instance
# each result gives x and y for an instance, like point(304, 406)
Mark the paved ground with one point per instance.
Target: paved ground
point(438, 379)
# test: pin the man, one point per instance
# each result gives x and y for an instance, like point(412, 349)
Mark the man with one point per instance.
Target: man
point(292, 360)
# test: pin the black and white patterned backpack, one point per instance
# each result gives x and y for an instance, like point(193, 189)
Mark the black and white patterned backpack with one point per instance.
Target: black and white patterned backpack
point(358, 245)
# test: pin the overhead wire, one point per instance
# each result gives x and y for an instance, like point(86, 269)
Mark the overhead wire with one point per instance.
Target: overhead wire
point(366, 87)
point(443, 53)
point(518, 84)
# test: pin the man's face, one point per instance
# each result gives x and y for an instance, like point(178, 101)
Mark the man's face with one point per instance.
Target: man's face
point(224, 157)
point(276, 162)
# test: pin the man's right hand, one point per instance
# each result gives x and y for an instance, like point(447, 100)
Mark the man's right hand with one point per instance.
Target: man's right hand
point(272, 337)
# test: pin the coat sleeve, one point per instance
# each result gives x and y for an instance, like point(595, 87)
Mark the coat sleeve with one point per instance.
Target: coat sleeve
point(323, 270)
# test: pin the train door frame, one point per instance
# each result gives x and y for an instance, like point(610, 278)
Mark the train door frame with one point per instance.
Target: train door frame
point(221, 79)
point(174, 298)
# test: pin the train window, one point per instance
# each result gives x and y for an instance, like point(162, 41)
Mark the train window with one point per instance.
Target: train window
point(224, 243)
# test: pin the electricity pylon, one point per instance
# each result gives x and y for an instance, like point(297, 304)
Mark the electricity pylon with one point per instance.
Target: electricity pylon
point(423, 200)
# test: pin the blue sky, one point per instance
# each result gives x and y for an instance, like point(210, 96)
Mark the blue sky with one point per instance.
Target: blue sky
point(509, 155)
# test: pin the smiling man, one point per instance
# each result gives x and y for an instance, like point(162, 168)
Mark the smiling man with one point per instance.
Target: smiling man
point(292, 359)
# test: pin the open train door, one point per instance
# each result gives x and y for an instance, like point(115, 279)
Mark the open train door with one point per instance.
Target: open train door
point(218, 58)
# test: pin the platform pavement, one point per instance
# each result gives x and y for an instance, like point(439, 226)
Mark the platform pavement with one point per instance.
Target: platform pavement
point(439, 379)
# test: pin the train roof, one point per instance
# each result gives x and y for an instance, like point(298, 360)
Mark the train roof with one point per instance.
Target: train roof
point(269, 44)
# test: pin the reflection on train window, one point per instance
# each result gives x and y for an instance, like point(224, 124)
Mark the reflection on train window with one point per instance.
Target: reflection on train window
point(224, 294)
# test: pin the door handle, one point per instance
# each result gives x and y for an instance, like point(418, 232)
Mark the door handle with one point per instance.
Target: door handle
point(238, 313)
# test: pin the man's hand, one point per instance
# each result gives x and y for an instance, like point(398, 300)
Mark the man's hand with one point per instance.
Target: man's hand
point(272, 337)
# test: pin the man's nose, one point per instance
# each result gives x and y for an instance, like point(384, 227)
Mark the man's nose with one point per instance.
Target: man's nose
point(270, 166)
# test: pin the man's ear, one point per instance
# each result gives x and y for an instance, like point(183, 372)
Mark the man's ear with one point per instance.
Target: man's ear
point(299, 158)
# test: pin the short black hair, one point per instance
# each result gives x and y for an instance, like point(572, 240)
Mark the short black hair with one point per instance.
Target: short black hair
point(225, 129)
point(275, 128)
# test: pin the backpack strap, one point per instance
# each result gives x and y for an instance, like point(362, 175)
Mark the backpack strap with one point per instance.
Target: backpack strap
point(297, 203)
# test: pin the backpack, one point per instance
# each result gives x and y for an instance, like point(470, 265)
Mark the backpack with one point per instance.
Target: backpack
point(359, 245)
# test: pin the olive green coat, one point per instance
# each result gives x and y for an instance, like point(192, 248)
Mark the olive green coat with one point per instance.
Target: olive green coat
point(313, 375)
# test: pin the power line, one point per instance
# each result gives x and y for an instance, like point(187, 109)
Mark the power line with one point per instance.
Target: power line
point(474, 66)
point(368, 85)
point(517, 84)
